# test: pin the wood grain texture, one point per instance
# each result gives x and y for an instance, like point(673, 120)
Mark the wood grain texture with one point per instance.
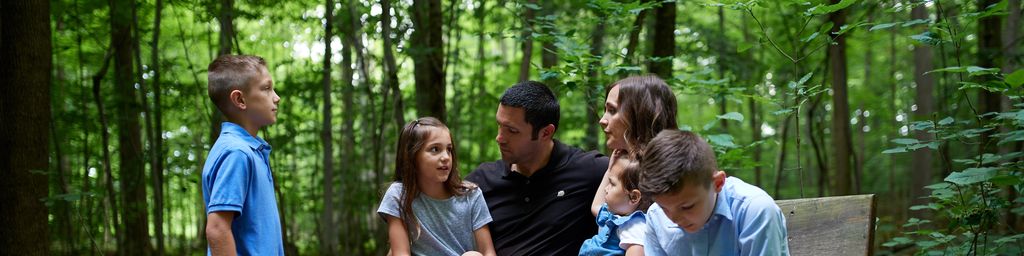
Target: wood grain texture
point(842, 225)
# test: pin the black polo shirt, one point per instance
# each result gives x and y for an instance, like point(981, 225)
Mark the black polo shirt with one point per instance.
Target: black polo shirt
point(547, 213)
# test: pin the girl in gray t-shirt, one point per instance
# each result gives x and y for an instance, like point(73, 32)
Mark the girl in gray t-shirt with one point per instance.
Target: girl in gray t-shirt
point(428, 208)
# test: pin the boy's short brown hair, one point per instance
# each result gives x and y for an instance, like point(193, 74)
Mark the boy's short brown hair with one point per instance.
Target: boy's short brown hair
point(674, 159)
point(232, 72)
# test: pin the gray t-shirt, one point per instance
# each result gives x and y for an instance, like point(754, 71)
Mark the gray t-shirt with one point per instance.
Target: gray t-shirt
point(446, 226)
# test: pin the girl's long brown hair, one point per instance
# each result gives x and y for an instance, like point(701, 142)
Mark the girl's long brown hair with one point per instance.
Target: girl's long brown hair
point(410, 143)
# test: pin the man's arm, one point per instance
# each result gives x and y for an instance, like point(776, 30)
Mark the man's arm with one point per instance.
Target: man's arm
point(218, 233)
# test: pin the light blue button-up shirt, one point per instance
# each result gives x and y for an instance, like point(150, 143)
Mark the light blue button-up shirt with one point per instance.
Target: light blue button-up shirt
point(745, 221)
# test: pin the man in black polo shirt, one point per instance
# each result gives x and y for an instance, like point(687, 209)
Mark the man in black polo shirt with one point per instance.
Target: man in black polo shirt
point(540, 192)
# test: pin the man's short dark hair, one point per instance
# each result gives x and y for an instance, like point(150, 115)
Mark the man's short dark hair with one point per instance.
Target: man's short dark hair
point(675, 159)
point(539, 102)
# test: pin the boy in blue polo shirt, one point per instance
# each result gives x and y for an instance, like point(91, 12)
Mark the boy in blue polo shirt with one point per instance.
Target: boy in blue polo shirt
point(238, 188)
point(698, 210)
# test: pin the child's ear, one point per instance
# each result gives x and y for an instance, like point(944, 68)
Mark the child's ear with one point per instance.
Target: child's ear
point(718, 180)
point(237, 99)
point(634, 196)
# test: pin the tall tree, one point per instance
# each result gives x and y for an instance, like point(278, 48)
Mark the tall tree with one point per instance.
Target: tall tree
point(596, 47)
point(135, 240)
point(390, 68)
point(158, 145)
point(841, 108)
point(924, 99)
point(25, 48)
point(989, 55)
point(225, 17)
point(328, 227)
point(663, 48)
point(526, 35)
point(428, 58)
point(1011, 63)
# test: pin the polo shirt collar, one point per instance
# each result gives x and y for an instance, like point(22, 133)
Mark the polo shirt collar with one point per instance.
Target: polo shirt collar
point(255, 143)
point(558, 152)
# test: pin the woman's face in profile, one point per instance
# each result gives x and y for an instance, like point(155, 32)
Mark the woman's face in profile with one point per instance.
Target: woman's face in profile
point(613, 122)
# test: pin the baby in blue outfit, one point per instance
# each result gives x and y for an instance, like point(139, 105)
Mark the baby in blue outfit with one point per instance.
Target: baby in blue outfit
point(619, 208)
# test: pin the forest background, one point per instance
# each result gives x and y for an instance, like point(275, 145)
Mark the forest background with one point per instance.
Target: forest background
point(106, 123)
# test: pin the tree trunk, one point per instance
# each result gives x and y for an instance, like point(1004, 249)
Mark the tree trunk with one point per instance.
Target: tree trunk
point(527, 46)
point(921, 166)
point(634, 39)
point(227, 32)
point(549, 52)
point(151, 131)
point(989, 55)
point(663, 48)
point(25, 48)
point(391, 69)
point(158, 146)
point(328, 227)
point(347, 130)
point(110, 200)
point(135, 240)
point(428, 60)
point(1012, 62)
point(590, 141)
point(841, 108)
point(721, 46)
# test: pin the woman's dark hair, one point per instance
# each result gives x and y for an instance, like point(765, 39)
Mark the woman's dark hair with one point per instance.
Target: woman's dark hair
point(410, 143)
point(648, 106)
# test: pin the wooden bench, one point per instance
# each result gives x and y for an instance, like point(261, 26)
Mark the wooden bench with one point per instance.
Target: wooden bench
point(841, 225)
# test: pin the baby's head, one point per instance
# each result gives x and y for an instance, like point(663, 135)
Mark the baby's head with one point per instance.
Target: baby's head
point(623, 191)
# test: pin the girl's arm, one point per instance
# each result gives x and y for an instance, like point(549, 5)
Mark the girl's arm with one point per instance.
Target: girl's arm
point(595, 206)
point(398, 236)
point(635, 250)
point(483, 241)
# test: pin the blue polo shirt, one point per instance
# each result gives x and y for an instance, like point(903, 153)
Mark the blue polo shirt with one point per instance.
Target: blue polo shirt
point(746, 221)
point(236, 178)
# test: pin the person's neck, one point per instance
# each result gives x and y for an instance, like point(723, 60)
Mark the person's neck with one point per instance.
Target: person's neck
point(249, 127)
point(528, 168)
point(434, 190)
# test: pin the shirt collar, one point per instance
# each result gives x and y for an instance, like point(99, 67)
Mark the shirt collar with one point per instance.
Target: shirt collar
point(722, 205)
point(558, 152)
point(256, 143)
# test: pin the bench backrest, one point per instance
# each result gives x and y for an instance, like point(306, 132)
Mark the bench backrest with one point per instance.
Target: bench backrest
point(841, 225)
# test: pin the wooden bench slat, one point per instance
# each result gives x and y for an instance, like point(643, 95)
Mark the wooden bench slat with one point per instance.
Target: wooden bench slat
point(842, 225)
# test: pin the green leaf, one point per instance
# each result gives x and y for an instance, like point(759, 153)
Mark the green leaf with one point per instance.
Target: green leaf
point(782, 112)
point(948, 69)
point(805, 78)
point(1016, 78)
point(1005, 180)
point(905, 141)
point(811, 37)
point(946, 121)
point(724, 140)
point(883, 26)
point(895, 150)
point(978, 71)
point(743, 46)
point(732, 116)
point(1011, 137)
point(972, 175)
point(826, 9)
point(927, 38)
point(917, 21)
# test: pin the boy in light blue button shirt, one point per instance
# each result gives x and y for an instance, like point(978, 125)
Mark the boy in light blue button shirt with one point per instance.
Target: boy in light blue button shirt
point(238, 188)
point(698, 210)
